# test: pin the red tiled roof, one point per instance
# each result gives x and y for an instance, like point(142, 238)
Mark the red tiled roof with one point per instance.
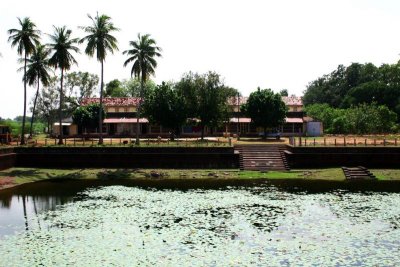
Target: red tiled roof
point(292, 100)
point(133, 101)
point(233, 101)
point(241, 120)
point(113, 101)
point(294, 120)
point(125, 120)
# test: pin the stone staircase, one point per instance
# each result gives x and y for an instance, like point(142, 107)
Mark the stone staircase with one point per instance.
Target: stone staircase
point(357, 173)
point(262, 157)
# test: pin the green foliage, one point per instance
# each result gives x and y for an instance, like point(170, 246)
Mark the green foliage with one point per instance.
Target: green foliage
point(61, 46)
point(128, 88)
point(87, 116)
point(79, 85)
point(360, 119)
point(284, 92)
point(205, 97)
point(114, 89)
point(16, 127)
point(357, 84)
point(143, 53)
point(99, 39)
point(165, 106)
point(265, 108)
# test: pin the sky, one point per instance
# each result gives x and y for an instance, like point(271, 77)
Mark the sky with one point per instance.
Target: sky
point(254, 43)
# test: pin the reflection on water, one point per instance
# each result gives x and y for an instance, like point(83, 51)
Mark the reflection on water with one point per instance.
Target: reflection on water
point(259, 225)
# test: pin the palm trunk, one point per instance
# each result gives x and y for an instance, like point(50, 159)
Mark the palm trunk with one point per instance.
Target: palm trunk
point(101, 107)
point(61, 135)
point(24, 115)
point(138, 113)
point(34, 107)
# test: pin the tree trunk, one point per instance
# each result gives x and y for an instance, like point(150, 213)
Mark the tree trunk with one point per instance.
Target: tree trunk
point(61, 135)
point(34, 107)
point(101, 106)
point(202, 132)
point(24, 115)
point(139, 109)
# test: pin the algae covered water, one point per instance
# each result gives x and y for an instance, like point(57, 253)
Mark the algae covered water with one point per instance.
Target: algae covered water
point(257, 225)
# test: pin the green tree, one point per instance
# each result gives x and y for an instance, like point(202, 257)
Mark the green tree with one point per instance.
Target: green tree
point(48, 103)
point(25, 39)
point(114, 89)
point(143, 54)
point(62, 45)
point(165, 106)
point(100, 41)
point(206, 98)
point(284, 92)
point(87, 116)
point(79, 85)
point(266, 109)
point(128, 88)
point(38, 71)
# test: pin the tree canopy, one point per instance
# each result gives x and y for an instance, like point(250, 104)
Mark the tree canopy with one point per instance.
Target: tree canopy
point(87, 116)
point(357, 84)
point(361, 119)
point(266, 109)
point(205, 97)
point(165, 106)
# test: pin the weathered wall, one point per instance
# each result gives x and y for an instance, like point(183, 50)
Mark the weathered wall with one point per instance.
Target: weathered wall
point(370, 157)
point(120, 157)
point(7, 158)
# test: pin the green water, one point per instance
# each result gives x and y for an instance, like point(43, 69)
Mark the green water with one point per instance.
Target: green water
point(257, 225)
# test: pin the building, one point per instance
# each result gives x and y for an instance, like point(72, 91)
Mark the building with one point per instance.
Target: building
point(121, 120)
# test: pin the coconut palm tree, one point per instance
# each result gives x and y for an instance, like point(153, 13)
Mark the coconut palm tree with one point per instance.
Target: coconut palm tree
point(62, 45)
point(143, 53)
point(38, 71)
point(99, 41)
point(25, 39)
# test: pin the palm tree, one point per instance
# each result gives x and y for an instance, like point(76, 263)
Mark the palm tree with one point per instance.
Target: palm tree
point(38, 71)
point(25, 40)
point(62, 45)
point(100, 40)
point(142, 54)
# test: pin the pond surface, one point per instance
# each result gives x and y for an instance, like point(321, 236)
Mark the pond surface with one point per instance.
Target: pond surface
point(80, 223)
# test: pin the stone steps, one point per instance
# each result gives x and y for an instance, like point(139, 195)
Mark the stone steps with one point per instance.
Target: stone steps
point(262, 157)
point(357, 173)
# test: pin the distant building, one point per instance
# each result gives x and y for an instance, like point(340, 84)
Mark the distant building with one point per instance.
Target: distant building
point(121, 120)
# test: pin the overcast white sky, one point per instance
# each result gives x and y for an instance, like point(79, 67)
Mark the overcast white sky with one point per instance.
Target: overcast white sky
point(271, 44)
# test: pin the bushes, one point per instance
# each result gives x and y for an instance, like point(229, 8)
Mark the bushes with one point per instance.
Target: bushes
point(361, 119)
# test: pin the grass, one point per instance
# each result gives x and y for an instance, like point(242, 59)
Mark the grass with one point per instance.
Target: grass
point(26, 175)
point(386, 174)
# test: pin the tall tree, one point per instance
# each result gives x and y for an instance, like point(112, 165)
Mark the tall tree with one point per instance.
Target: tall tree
point(206, 98)
point(143, 53)
point(47, 103)
point(62, 45)
point(266, 109)
point(165, 106)
point(25, 39)
point(38, 71)
point(79, 85)
point(99, 40)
